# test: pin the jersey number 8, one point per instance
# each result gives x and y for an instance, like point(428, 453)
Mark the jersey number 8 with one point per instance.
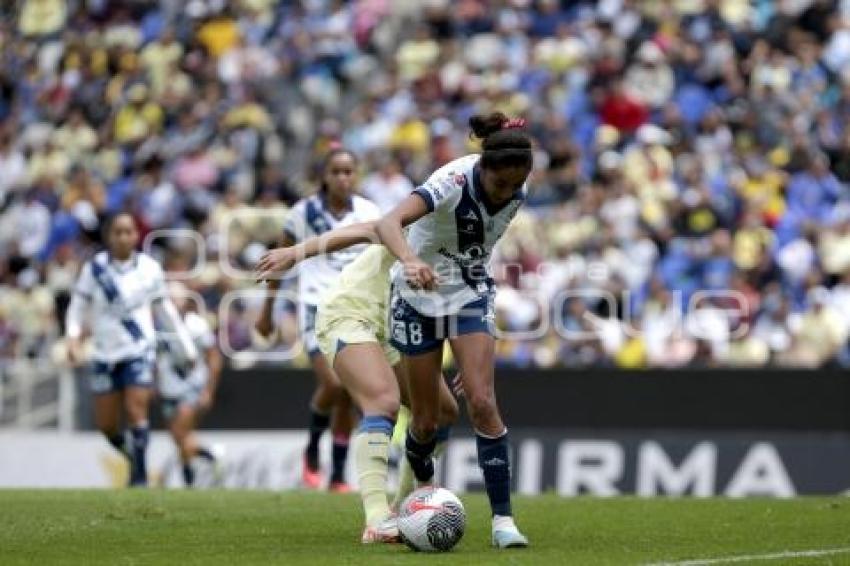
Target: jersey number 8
point(410, 333)
point(414, 330)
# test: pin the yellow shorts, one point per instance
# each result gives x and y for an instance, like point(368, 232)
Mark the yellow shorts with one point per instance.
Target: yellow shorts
point(336, 328)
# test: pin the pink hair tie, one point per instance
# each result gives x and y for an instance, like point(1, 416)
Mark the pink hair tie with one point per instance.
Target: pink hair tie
point(514, 123)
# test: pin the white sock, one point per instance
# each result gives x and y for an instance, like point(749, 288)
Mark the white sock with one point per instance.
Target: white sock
point(504, 523)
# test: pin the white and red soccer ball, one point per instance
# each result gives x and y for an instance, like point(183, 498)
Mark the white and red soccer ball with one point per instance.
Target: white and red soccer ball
point(431, 519)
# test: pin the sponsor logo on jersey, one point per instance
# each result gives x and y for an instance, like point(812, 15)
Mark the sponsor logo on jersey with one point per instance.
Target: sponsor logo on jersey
point(473, 254)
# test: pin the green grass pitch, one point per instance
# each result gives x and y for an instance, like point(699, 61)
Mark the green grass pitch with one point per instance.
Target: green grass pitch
point(240, 527)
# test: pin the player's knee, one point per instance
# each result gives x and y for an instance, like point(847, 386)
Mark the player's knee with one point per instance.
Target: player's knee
point(179, 433)
point(186, 448)
point(424, 429)
point(386, 404)
point(482, 406)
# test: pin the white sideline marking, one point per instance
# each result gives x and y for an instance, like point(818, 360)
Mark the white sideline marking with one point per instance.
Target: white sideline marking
point(750, 557)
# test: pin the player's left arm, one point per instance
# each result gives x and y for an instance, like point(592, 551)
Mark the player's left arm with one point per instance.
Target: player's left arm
point(277, 261)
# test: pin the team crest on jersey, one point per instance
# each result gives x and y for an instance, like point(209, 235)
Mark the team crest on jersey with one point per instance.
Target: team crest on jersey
point(460, 179)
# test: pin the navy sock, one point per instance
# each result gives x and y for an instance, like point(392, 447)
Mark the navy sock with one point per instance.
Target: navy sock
point(138, 466)
point(188, 474)
point(119, 442)
point(419, 456)
point(318, 425)
point(495, 462)
point(338, 458)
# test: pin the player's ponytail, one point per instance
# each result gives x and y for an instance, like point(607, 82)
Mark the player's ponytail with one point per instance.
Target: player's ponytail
point(504, 141)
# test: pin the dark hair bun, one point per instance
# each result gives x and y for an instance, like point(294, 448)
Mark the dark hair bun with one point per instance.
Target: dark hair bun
point(505, 142)
point(483, 125)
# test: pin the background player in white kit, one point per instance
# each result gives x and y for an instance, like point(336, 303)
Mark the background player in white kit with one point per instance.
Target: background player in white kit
point(186, 395)
point(334, 206)
point(119, 289)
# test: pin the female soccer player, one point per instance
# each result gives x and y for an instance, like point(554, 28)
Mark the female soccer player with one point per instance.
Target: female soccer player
point(334, 206)
point(442, 290)
point(119, 288)
point(186, 396)
point(351, 327)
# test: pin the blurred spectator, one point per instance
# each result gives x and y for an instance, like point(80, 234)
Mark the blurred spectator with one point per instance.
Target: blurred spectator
point(160, 57)
point(819, 335)
point(218, 34)
point(31, 225)
point(650, 79)
point(622, 109)
point(39, 18)
point(138, 118)
point(388, 186)
point(13, 167)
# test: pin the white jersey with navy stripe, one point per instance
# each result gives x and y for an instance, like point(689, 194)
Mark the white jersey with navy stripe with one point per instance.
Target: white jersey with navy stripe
point(119, 296)
point(456, 238)
point(310, 217)
point(172, 384)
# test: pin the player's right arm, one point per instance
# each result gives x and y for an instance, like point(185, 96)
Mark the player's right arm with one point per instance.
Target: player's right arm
point(76, 313)
point(265, 323)
point(264, 326)
point(435, 194)
point(391, 231)
point(294, 230)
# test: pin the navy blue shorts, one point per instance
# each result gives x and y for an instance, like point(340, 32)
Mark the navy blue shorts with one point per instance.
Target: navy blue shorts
point(413, 333)
point(116, 376)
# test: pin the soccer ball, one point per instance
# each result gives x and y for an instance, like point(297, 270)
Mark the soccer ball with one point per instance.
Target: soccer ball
point(431, 519)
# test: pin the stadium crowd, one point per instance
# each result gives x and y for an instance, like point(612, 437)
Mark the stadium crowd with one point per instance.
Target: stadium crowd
point(686, 149)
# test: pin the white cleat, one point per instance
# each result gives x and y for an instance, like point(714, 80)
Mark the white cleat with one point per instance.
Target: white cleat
point(506, 534)
point(509, 539)
point(385, 532)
